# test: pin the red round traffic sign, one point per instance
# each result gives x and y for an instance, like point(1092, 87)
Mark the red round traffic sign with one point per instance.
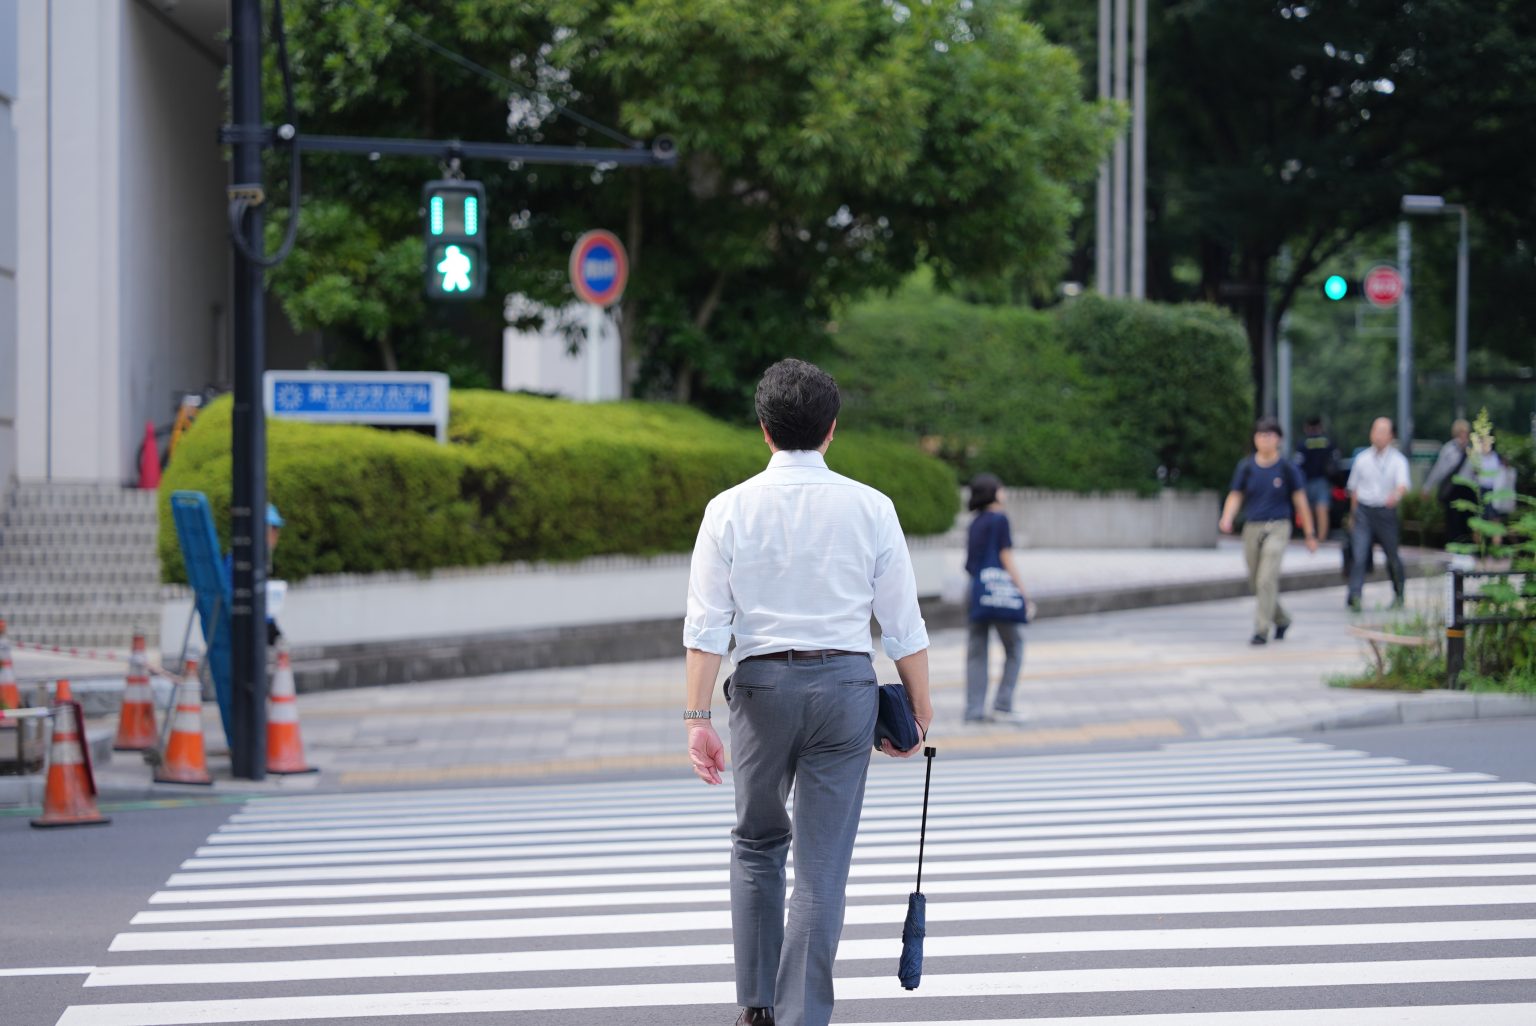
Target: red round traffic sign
point(1383, 286)
point(599, 268)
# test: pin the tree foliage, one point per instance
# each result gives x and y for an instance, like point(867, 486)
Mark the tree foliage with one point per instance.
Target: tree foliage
point(827, 148)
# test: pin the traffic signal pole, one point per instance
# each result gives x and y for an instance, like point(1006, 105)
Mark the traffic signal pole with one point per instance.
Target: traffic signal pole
point(248, 506)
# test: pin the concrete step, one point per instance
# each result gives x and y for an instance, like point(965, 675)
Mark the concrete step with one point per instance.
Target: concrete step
point(71, 596)
point(145, 575)
point(79, 518)
point(24, 621)
point(70, 637)
point(65, 496)
point(94, 536)
point(138, 558)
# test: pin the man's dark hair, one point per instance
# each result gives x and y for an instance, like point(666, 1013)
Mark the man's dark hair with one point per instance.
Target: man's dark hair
point(1314, 421)
point(983, 491)
point(797, 402)
point(1268, 424)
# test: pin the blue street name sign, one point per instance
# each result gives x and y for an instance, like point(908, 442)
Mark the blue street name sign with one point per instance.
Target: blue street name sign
point(360, 397)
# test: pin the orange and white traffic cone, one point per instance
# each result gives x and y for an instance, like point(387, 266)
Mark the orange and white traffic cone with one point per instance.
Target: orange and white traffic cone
point(70, 795)
point(285, 748)
point(136, 720)
point(10, 694)
point(184, 761)
point(61, 692)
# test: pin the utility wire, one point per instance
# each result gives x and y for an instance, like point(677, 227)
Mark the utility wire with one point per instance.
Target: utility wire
point(484, 72)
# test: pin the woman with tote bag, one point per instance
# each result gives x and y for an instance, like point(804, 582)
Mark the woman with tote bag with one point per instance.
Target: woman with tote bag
point(997, 603)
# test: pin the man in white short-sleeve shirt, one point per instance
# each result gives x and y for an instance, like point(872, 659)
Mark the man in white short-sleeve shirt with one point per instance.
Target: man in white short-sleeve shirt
point(1378, 480)
point(791, 564)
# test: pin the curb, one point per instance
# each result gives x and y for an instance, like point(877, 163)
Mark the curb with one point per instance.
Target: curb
point(337, 667)
point(1400, 709)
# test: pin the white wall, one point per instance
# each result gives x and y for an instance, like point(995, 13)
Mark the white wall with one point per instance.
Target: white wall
point(121, 258)
point(541, 361)
point(8, 212)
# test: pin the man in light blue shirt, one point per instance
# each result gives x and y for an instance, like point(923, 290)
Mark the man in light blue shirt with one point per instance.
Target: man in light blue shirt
point(792, 564)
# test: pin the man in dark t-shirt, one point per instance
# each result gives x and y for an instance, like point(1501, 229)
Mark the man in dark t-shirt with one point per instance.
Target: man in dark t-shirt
point(1316, 456)
point(1267, 489)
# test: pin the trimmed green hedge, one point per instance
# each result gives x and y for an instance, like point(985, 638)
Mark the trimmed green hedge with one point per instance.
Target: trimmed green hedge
point(1102, 395)
point(523, 478)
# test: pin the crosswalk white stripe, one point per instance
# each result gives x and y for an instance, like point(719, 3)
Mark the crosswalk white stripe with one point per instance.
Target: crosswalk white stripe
point(876, 796)
point(1454, 810)
point(1247, 796)
point(996, 828)
point(1060, 981)
point(968, 945)
point(974, 830)
point(891, 889)
point(573, 864)
point(1189, 786)
point(969, 868)
point(257, 868)
point(1506, 1014)
point(882, 771)
point(944, 912)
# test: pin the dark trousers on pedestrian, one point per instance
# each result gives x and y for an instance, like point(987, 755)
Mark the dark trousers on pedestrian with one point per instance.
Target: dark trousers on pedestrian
point(976, 666)
point(1378, 525)
point(807, 724)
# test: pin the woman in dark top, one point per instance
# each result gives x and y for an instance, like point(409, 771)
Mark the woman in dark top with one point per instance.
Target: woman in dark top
point(997, 602)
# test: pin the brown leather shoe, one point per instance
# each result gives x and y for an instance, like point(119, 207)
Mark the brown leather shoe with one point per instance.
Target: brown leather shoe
point(755, 1017)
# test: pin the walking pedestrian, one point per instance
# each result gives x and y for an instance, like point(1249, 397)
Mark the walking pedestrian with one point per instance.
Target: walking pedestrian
point(1441, 483)
point(1378, 480)
point(997, 602)
point(791, 564)
point(1316, 457)
point(1267, 489)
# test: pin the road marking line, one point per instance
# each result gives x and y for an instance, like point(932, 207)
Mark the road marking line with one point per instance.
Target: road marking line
point(891, 889)
point(49, 970)
point(877, 949)
point(946, 912)
point(898, 859)
point(1067, 981)
point(989, 842)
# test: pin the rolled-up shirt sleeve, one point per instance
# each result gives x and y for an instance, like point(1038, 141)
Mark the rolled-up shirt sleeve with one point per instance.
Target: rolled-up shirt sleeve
point(902, 630)
point(711, 608)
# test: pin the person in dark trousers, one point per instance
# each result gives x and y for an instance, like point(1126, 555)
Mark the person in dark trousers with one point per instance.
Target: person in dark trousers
point(1378, 480)
point(1451, 463)
point(791, 564)
point(989, 550)
point(1269, 490)
point(1316, 456)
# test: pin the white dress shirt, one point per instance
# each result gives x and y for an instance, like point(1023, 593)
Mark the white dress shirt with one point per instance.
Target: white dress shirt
point(1376, 474)
point(798, 558)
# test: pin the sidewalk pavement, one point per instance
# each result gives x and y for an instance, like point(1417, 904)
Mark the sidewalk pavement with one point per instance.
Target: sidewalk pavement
point(1111, 679)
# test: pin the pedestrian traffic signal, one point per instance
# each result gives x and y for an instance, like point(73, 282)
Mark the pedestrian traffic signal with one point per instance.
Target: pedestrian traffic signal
point(1337, 288)
point(455, 235)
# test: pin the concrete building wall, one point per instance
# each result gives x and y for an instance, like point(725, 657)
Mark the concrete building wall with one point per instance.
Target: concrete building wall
point(121, 263)
point(8, 213)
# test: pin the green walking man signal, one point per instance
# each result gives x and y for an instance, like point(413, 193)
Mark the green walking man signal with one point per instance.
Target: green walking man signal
point(455, 236)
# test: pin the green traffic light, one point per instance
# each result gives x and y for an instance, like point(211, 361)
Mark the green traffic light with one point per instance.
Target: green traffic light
point(1335, 288)
point(455, 268)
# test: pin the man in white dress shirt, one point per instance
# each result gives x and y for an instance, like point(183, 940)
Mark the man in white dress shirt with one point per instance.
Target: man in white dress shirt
point(1378, 480)
point(791, 564)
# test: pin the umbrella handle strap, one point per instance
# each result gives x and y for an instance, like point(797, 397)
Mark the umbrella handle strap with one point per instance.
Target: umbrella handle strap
point(922, 837)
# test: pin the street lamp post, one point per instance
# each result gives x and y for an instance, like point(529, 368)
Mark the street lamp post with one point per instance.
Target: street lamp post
point(1438, 205)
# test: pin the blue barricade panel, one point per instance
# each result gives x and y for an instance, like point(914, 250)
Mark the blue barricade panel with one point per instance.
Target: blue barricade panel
point(205, 572)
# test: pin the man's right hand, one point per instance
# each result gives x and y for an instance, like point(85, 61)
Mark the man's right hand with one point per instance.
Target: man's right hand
point(1226, 525)
point(705, 751)
point(923, 720)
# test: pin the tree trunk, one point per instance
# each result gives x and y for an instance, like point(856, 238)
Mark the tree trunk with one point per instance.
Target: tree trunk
point(387, 353)
point(629, 308)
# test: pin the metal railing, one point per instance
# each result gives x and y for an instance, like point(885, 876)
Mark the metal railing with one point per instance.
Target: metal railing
point(1457, 621)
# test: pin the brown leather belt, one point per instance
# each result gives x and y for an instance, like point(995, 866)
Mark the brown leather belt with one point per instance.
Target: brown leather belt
point(815, 653)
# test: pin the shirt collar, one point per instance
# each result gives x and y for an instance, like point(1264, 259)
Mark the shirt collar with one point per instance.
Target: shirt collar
point(797, 458)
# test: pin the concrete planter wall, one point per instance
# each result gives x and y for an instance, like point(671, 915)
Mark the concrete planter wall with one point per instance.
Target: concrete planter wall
point(1112, 520)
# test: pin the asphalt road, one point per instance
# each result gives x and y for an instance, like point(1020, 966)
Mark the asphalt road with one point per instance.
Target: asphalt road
point(1362, 878)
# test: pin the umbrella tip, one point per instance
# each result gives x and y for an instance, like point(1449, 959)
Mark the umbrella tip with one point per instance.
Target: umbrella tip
point(930, 751)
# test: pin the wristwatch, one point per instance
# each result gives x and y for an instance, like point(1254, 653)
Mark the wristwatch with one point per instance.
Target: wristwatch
point(696, 714)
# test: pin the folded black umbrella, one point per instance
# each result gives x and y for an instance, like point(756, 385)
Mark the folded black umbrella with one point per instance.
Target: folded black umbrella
point(910, 972)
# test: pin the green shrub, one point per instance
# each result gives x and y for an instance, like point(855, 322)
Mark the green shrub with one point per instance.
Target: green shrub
point(1104, 395)
point(1177, 380)
point(523, 478)
point(985, 388)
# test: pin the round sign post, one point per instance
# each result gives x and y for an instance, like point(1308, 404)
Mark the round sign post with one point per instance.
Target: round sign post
point(1383, 286)
point(599, 271)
